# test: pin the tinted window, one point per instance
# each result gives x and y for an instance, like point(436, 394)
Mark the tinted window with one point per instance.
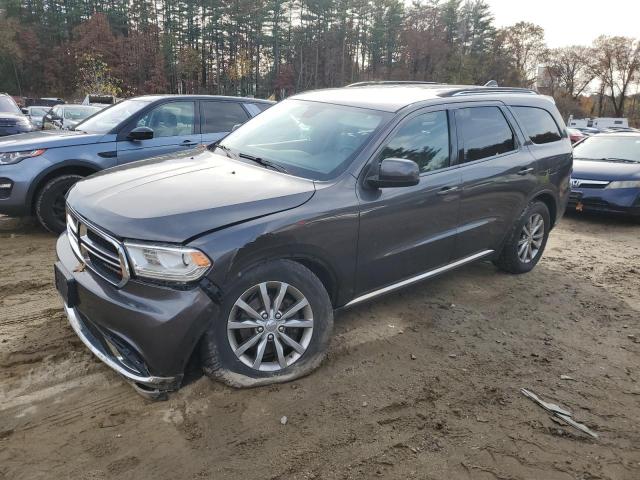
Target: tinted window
point(262, 106)
point(423, 139)
point(169, 120)
point(221, 116)
point(539, 124)
point(484, 132)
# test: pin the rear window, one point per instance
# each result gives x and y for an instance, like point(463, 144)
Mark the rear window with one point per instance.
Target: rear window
point(262, 106)
point(484, 132)
point(8, 105)
point(220, 117)
point(538, 124)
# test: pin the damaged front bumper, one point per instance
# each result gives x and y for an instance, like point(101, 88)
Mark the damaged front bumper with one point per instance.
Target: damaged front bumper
point(146, 333)
point(107, 350)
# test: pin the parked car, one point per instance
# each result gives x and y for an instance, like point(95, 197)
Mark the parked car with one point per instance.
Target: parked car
point(131, 130)
point(242, 252)
point(588, 130)
point(575, 135)
point(67, 116)
point(12, 120)
point(606, 174)
point(36, 114)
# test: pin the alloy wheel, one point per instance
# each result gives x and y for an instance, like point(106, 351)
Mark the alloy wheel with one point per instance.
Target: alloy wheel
point(270, 326)
point(531, 238)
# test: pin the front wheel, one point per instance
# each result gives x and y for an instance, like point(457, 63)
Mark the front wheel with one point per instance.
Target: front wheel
point(527, 240)
point(50, 202)
point(274, 326)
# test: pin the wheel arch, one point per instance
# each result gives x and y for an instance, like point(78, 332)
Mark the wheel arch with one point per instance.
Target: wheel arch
point(307, 256)
point(549, 200)
point(72, 167)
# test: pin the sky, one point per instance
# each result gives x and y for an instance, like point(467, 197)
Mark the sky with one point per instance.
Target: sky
point(571, 22)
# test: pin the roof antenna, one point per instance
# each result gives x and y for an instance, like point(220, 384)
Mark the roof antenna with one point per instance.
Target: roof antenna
point(491, 83)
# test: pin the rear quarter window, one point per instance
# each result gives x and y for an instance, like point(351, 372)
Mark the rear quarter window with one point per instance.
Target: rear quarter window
point(538, 124)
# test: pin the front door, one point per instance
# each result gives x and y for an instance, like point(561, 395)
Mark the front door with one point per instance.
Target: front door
point(174, 130)
point(409, 230)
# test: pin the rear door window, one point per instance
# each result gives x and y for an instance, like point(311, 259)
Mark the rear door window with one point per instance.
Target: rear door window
point(220, 117)
point(538, 124)
point(484, 132)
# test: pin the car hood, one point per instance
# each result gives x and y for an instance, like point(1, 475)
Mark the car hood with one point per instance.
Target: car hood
point(603, 170)
point(48, 139)
point(13, 116)
point(175, 198)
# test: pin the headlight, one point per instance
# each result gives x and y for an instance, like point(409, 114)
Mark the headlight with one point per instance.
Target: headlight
point(162, 262)
point(7, 158)
point(625, 184)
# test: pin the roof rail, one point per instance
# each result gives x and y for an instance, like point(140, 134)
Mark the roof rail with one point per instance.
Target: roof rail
point(486, 90)
point(390, 82)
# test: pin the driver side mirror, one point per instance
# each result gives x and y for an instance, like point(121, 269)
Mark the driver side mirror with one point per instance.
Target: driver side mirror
point(140, 133)
point(394, 172)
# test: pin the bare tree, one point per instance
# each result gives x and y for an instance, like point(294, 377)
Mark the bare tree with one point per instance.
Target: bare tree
point(524, 43)
point(571, 69)
point(617, 65)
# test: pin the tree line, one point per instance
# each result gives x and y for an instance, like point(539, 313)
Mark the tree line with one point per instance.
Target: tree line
point(274, 48)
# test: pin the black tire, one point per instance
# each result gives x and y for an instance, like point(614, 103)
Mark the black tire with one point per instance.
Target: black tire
point(50, 202)
point(216, 352)
point(508, 260)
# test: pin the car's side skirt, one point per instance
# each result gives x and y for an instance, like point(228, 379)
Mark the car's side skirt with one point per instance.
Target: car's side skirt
point(417, 278)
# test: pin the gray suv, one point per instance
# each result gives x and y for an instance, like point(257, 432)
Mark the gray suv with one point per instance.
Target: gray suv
point(38, 168)
point(238, 255)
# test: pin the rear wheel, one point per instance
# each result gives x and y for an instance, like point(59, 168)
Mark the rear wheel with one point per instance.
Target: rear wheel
point(526, 241)
point(274, 326)
point(51, 202)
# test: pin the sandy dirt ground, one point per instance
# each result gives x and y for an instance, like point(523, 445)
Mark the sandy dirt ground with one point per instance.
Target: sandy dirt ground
point(420, 384)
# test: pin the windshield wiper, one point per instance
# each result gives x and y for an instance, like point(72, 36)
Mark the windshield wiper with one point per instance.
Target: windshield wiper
point(263, 162)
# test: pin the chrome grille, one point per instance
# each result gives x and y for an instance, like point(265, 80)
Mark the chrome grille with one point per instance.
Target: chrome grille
point(580, 183)
point(99, 251)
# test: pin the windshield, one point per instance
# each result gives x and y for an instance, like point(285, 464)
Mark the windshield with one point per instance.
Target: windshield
point(79, 113)
point(310, 139)
point(110, 117)
point(616, 148)
point(38, 111)
point(8, 105)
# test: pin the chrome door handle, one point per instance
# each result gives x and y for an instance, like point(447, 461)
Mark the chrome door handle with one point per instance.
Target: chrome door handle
point(447, 190)
point(524, 171)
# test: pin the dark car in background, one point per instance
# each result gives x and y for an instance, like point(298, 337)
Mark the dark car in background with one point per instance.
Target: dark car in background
point(12, 120)
point(38, 168)
point(606, 174)
point(240, 253)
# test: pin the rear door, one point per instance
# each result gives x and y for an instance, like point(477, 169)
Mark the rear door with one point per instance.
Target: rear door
point(410, 230)
point(218, 118)
point(174, 126)
point(498, 175)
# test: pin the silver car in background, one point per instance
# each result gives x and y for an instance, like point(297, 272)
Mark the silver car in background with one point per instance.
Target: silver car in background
point(36, 113)
point(67, 116)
